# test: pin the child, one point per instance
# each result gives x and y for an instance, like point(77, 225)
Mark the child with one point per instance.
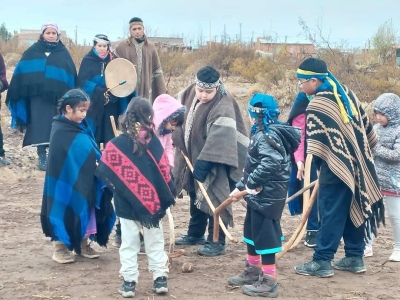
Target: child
point(71, 191)
point(340, 138)
point(297, 118)
point(387, 160)
point(135, 167)
point(169, 113)
point(266, 177)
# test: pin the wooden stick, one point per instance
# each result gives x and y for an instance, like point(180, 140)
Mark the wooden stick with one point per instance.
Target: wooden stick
point(218, 210)
point(208, 200)
point(114, 127)
point(287, 246)
point(291, 198)
point(306, 199)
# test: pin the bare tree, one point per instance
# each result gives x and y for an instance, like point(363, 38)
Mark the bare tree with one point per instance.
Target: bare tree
point(384, 40)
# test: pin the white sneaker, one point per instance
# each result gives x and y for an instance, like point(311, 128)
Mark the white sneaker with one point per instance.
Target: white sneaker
point(368, 251)
point(395, 255)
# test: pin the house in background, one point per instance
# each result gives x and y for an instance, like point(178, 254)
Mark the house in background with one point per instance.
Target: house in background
point(294, 47)
point(26, 37)
point(163, 44)
point(397, 53)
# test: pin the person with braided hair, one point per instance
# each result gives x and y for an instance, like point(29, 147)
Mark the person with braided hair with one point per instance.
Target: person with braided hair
point(74, 205)
point(135, 167)
point(266, 179)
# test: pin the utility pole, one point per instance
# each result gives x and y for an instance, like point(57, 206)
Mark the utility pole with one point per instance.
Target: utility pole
point(240, 33)
point(210, 35)
point(76, 34)
point(224, 34)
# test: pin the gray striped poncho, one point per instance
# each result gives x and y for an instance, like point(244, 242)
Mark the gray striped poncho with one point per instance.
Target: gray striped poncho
point(214, 132)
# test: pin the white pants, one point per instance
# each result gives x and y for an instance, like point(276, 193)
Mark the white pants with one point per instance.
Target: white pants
point(130, 247)
point(393, 209)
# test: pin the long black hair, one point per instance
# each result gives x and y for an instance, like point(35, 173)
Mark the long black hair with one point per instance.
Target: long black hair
point(138, 117)
point(73, 98)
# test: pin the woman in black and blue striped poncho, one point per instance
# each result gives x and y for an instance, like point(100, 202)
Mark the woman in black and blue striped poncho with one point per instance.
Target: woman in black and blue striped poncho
point(45, 72)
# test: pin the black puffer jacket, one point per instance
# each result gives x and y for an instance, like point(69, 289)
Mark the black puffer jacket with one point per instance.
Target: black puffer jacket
point(268, 166)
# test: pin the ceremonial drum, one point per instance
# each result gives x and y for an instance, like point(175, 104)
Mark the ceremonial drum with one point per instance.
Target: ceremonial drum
point(121, 77)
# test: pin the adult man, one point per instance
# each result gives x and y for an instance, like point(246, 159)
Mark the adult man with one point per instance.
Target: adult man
point(340, 137)
point(213, 137)
point(3, 86)
point(143, 54)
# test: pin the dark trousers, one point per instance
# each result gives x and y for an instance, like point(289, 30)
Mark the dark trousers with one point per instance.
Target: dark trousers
point(41, 149)
point(313, 222)
point(1, 143)
point(198, 223)
point(334, 202)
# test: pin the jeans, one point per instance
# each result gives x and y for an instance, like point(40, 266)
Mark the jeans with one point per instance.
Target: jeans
point(334, 202)
point(393, 209)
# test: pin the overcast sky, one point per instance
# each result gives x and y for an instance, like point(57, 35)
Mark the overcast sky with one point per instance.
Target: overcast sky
point(354, 21)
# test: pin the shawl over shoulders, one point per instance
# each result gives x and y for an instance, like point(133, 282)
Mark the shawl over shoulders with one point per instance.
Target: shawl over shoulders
point(218, 135)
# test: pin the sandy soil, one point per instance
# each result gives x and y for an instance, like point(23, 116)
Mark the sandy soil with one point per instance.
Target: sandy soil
point(27, 271)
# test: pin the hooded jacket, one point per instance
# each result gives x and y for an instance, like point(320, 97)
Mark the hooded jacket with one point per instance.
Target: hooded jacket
point(165, 109)
point(268, 166)
point(387, 151)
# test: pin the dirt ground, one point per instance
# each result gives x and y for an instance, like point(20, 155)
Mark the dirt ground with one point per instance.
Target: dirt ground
point(27, 271)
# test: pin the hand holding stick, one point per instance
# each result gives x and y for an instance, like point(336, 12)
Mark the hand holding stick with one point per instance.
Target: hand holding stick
point(107, 95)
point(204, 192)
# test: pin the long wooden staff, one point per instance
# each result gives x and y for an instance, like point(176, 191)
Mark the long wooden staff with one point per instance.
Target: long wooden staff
point(218, 211)
point(204, 192)
point(289, 245)
point(306, 199)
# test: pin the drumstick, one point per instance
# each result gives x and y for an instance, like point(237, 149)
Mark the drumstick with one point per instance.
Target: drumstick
point(121, 83)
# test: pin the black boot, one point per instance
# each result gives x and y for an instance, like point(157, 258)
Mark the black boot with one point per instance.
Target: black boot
point(42, 158)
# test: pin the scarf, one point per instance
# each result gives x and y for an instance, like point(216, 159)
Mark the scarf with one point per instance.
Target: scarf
point(71, 190)
point(329, 82)
point(142, 184)
point(37, 74)
point(92, 80)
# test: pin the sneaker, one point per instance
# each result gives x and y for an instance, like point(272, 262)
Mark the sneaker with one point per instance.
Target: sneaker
point(117, 241)
point(351, 264)
point(311, 238)
point(190, 240)
point(211, 249)
point(160, 285)
point(250, 275)
point(89, 252)
point(368, 251)
point(61, 254)
point(395, 255)
point(266, 286)
point(63, 257)
point(318, 268)
point(127, 289)
point(4, 161)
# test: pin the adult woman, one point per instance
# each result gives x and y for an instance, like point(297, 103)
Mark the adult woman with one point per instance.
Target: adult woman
point(91, 79)
point(45, 72)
